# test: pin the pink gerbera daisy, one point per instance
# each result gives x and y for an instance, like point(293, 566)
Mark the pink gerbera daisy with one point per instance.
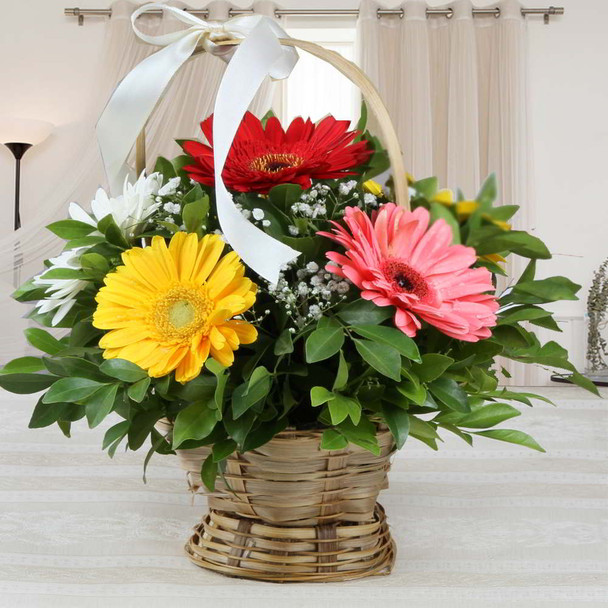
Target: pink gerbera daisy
point(397, 260)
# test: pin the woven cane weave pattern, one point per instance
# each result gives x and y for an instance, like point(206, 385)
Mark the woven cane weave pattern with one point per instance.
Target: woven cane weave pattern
point(291, 482)
point(330, 552)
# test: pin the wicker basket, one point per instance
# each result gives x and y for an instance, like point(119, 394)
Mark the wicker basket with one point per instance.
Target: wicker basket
point(289, 511)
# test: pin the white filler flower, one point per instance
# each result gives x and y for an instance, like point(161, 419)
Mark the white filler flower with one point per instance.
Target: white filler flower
point(60, 293)
point(129, 210)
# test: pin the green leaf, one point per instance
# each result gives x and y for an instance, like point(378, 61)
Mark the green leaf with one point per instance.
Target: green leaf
point(85, 241)
point(362, 122)
point(26, 384)
point(70, 229)
point(249, 393)
point(488, 192)
point(382, 357)
point(42, 340)
point(284, 196)
point(100, 404)
point(194, 422)
point(426, 187)
point(518, 242)
point(137, 392)
point(423, 431)
point(319, 396)
point(222, 449)
point(341, 407)
point(398, 421)
point(141, 426)
point(413, 390)
point(522, 313)
point(165, 168)
point(263, 433)
point(179, 162)
point(28, 292)
point(362, 434)
point(112, 232)
point(74, 367)
point(95, 261)
point(284, 343)
point(219, 371)
point(451, 394)
point(324, 343)
point(123, 370)
point(580, 380)
point(363, 312)
point(432, 366)
point(547, 322)
point(69, 390)
point(488, 415)
point(512, 336)
point(511, 436)
point(441, 212)
point(200, 388)
point(170, 226)
point(194, 214)
point(311, 246)
point(391, 336)
point(209, 472)
point(341, 374)
point(239, 429)
point(529, 272)
point(44, 414)
point(64, 273)
point(115, 433)
point(23, 365)
point(83, 333)
point(333, 440)
point(548, 290)
point(454, 429)
point(220, 389)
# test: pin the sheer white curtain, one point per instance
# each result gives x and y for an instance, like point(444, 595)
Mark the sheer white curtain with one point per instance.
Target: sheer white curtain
point(456, 90)
point(189, 100)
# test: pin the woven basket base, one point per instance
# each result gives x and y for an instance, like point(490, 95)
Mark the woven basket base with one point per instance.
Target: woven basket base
point(245, 548)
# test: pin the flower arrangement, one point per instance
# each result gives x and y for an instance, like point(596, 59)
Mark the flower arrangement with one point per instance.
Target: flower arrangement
point(388, 318)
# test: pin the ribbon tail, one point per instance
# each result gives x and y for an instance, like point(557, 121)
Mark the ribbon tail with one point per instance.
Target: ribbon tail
point(259, 55)
point(132, 103)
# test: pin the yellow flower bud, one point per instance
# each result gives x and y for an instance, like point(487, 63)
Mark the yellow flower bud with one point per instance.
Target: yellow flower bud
point(445, 197)
point(372, 187)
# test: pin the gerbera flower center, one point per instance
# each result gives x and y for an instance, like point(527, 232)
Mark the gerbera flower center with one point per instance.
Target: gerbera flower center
point(405, 278)
point(181, 313)
point(275, 162)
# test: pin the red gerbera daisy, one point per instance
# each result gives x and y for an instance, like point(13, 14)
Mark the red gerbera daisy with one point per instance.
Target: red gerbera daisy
point(261, 158)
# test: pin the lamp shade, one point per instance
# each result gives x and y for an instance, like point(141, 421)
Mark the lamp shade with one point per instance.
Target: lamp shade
point(23, 130)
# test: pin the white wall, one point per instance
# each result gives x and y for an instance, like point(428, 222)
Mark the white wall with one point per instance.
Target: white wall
point(47, 71)
point(569, 97)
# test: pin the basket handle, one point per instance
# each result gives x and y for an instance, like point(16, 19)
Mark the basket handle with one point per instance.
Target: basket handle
point(358, 77)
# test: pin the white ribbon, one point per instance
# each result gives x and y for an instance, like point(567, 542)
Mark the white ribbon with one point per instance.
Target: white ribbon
point(259, 55)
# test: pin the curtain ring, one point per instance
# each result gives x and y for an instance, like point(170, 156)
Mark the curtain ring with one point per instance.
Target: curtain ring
point(497, 13)
point(450, 14)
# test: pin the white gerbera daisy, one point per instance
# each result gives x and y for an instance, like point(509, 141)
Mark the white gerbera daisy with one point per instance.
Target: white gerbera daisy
point(60, 293)
point(129, 210)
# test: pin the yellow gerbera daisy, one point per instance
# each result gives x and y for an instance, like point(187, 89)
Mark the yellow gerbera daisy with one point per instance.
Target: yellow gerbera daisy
point(169, 308)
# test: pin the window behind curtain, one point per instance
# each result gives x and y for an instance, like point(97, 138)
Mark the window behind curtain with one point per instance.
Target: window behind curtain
point(315, 88)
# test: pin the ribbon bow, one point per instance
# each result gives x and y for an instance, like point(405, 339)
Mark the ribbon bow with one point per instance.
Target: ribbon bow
point(259, 55)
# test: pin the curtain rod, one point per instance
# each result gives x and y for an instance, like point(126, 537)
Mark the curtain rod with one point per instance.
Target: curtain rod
point(547, 12)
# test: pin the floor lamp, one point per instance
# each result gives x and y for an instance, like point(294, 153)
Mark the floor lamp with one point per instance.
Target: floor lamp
point(19, 135)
